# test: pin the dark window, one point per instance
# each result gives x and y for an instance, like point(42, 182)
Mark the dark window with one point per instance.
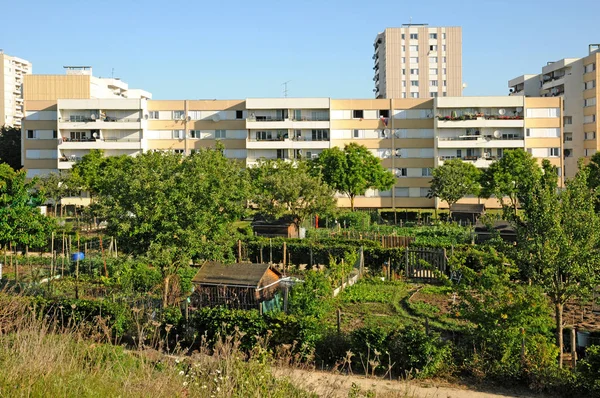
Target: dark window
point(358, 114)
point(54, 134)
point(29, 133)
point(239, 114)
point(384, 113)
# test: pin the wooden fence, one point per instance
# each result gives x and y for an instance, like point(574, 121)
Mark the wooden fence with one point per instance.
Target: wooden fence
point(436, 262)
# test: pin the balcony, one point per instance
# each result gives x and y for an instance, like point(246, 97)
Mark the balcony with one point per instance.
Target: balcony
point(97, 124)
point(272, 122)
point(286, 143)
point(477, 161)
point(479, 141)
point(553, 81)
point(106, 143)
point(480, 121)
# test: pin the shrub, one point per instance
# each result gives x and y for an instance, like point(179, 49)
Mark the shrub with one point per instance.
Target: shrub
point(355, 219)
point(589, 370)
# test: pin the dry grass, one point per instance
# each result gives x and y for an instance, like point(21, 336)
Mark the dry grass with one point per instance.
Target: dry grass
point(39, 359)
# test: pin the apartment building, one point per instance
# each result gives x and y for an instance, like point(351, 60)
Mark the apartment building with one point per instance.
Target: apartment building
point(418, 61)
point(410, 136)
point(574, 80)
point(11, 89)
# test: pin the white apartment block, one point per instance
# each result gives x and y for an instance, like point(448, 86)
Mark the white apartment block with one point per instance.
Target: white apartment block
point(11, 89)
point(418, 61)
point(574, 80)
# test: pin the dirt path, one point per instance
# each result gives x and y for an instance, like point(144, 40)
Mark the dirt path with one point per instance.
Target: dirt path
point(337, 386)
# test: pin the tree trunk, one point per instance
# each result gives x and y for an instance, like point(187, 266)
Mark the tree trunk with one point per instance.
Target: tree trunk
point(166, 292)
point(352, 202)
point(558, 314)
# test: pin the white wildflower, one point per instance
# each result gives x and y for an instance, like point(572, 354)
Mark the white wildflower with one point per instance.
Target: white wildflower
point(181, 372)
point(185, 383)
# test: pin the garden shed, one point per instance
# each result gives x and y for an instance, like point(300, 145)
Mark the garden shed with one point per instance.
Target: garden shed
point(239, 285)
point(463, 212)
point(283, 227)
point(502, 228)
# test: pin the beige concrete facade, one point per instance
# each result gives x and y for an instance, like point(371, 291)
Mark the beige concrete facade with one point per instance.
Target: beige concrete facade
point(410, 136)
point(12, 73)
point(575, 81)
point(418, 61)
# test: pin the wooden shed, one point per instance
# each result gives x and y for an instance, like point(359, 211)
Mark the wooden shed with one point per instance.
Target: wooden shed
point(503, 228)
point(463, 212)
point(239, 285)
point(284, 227)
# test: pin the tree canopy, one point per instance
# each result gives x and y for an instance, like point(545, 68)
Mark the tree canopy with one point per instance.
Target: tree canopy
point(511, 177)
point(10, 146)
point(288, 189)
point(558, 236)
point(352, 171)
point(20, 219)
point(172, 208)
point(454, 180)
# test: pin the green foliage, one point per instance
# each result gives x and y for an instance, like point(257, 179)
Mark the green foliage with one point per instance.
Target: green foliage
point(288, 189)
point(454, 180)
point(313, 296)
point(372, 290)
point(352, 170)
point(589, 370)
point(10, 146)
point(21, 222)
point(513, 177)
point(359, 220)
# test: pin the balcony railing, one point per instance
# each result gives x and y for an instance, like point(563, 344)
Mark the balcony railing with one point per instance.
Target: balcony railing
point(281, 119)
point(107, 139)
point(481, 138)
point(478, 116)
point(82, 139)
point(469, 158)
point(71, 158)
point(265, 119)
point(105, 119)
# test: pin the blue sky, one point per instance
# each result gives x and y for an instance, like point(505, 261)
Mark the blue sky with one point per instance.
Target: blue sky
point(238, 49)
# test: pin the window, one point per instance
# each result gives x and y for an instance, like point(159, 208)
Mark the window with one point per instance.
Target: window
point(444, 71)
point(178, 151)
point(590, 135)
point(589, 68)
point(414, 83)
point(356, 134)
point(413, 48)
point(358, 114)
point(384, 113)
point(401, 192)
point(433, 94)
point(414, 60)
point(401, 172)
point(220, 134)
point(433, 71)
point(404, 94)
point(443, 47)
point(403, 48)
point(542, 112)
point(153, 115)
point(414, 71)
point(178, 134)
point(589, 102)
point(402, 36)
point(589, 85)
point(589, 119)
point(403, 83)
point(31, 134)
point(178, 115)
point(54, 134)
point(264, 136)
point(568, 137)
point(195, 134)
point(414, 95)
point(239, 114)
point(404, 71)
point(444, 59)
point(553, 152)
point(414, 36)
point(320, 135)
point(443, 36)
point(426, 172)
point(403, 60)
point(433, 60)
point(282, 154)
point(433, 36)
point(423, 192)
point(433, 47)
point(590, 152)
point(433, 83)
point(444, 83)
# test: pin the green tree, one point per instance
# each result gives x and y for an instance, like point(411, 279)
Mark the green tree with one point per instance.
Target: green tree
point(557, 242)
point(511, 177)
point(288, 189)
point(20, 219)
point(10, 146)
point(594, 175)
point(172, 208)
point(352, 171)
point(56, 186)
point(454, 180)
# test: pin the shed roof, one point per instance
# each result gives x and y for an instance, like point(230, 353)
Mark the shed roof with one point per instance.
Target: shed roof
point(238, 274)
point(467, 208)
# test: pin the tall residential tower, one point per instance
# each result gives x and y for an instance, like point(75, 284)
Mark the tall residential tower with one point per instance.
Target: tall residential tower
point(11, 89)
point(418, 61)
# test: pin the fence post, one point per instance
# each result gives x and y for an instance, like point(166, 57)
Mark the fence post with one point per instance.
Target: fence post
point(573, 347)
point(284, 254)
point(406, 261)
point(52, 258)
point(270, 251)
point(339, 321)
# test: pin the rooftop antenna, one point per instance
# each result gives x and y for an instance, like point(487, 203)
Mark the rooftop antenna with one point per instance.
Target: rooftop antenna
point(285, 88)
point(410, 20)
point(112, 74)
